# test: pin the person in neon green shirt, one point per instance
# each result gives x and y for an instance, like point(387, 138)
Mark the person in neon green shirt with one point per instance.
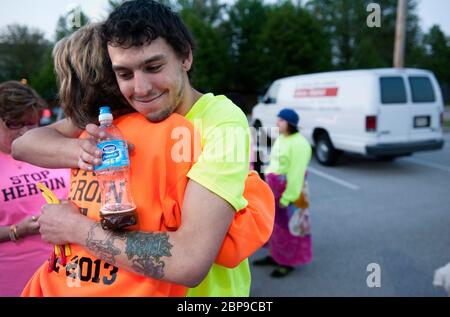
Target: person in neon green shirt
point(290, 244)
point(152, 77)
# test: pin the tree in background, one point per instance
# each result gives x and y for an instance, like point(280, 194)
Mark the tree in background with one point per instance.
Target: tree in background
point(22, 52)
point(243, 45)
point(291, 43)
point(70, 22)
point(354, 44)
point(212, 62)
point(43, 79)
point(246, 19)
point(437, 58)
point(437, 53)
point(112, 4)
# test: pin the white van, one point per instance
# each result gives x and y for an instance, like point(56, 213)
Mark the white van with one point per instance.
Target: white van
point(383, 113)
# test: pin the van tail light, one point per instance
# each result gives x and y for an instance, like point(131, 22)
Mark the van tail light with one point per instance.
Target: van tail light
point(442, 119)
point(371, 123)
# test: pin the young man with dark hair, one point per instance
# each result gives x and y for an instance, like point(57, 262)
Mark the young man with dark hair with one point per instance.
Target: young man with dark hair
point(151, 55)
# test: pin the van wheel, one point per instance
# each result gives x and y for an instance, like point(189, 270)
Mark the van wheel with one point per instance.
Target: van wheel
point(325, 152)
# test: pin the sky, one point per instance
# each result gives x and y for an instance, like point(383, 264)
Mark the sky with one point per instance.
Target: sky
point(44, 14)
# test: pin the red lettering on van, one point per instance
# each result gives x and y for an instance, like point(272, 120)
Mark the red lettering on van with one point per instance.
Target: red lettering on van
point(315, 92)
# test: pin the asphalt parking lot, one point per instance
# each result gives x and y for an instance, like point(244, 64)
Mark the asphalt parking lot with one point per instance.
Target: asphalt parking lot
point(394, 214)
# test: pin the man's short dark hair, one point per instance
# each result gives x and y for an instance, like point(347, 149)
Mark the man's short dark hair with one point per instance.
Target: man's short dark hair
point(139, 22)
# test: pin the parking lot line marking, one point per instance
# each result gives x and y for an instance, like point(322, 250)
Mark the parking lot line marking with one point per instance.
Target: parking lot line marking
point(428, 164)
point(333, 179)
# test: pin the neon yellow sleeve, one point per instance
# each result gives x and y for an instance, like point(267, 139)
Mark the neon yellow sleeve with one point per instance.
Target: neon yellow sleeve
point(223, 164)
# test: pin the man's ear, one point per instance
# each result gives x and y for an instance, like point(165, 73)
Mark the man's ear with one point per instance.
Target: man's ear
point(187, 62)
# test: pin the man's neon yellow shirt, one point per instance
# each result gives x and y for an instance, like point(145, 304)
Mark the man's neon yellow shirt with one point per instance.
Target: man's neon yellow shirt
point(222, 167)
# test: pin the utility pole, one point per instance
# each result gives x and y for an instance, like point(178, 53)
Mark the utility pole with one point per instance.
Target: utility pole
point(400, 34)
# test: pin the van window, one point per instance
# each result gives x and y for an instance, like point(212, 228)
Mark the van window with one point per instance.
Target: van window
point(271, 96)
point(421, 89)
point(392, 90)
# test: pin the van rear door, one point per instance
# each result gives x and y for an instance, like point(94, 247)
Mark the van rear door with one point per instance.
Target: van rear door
point(425, 108)
point(392, 118)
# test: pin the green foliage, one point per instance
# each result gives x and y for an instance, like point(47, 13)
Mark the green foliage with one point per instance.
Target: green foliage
point(447, 124)
point(70, 22)
point(22, 51)
point(242, 46)
point(355, 45)
point(437, 53)
point(44, 79)
point(243, 33)
point(112, 4)
point(292, 43)
point(212, 61)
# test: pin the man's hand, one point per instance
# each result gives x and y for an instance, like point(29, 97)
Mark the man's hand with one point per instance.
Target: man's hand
point(182, 257)
point(58, 222)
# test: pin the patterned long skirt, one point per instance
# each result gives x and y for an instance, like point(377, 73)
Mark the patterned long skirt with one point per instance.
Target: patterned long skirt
point(290, 243)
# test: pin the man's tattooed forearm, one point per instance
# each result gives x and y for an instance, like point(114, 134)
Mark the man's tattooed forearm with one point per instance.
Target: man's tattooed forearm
point(145, 250)
point(104, 248)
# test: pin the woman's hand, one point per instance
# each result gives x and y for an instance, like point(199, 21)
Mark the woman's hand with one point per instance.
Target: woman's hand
point(283, 203)
point(90, 155)
point(28, 226)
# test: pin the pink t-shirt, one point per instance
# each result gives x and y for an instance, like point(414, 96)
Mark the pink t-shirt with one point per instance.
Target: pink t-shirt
point(19, 197)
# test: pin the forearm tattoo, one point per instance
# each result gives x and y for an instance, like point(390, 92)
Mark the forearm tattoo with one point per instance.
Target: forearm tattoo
point(104, 248)
point(143, 249)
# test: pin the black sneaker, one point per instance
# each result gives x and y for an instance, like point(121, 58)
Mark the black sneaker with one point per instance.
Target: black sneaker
point(282, 271)
point(265, 261)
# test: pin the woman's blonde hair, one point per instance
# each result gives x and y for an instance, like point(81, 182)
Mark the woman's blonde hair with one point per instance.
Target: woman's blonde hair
point(86, 80)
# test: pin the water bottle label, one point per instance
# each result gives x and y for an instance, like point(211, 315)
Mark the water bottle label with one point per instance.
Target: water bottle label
point(115, 154)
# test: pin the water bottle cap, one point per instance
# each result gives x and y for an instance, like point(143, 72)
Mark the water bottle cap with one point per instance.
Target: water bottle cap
point(105, 113)
point(105, 109)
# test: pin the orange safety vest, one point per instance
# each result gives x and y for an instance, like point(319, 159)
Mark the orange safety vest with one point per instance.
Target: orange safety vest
point(158, 184)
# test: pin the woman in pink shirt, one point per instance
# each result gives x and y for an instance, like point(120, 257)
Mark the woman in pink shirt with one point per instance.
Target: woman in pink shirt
point(21, 249)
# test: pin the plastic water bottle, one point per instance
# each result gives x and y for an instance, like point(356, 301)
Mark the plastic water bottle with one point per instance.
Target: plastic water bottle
point(117, 209)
